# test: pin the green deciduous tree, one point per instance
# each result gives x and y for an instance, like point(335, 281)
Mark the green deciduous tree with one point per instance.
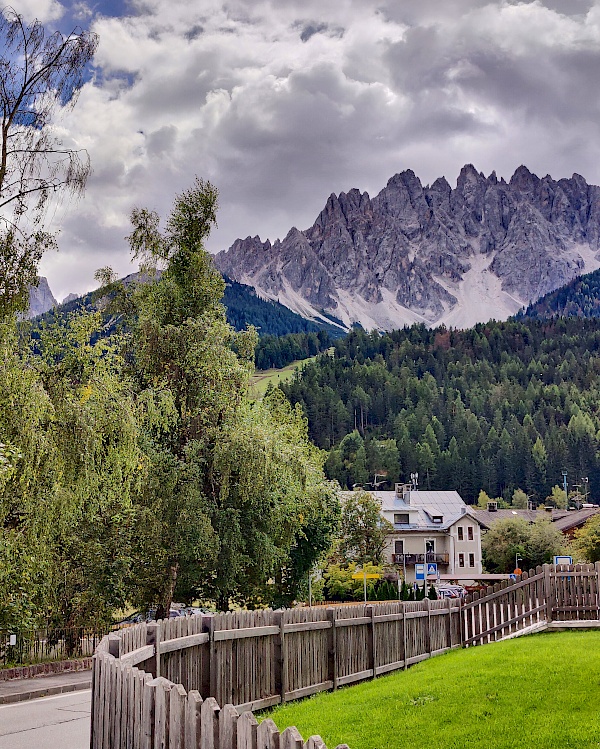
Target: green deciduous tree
point(557, 498)
point(233, 495)
point(65, 499)
point(519, 500)
point(545, 540)
point(505, 539)
point(587, 540)
point(364, 529)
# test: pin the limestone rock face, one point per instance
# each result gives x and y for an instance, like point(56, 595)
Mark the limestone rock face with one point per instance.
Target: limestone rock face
point(40, 298)
point(434, 254)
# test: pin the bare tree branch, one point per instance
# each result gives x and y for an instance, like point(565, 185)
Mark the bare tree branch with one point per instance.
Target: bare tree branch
point(41, 74)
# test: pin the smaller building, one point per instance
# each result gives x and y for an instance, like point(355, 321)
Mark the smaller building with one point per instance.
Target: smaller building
point(567, 521)
point(431, 527)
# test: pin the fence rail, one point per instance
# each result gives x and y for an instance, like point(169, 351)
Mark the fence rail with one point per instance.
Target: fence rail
point(27, 647)
point(160, 685)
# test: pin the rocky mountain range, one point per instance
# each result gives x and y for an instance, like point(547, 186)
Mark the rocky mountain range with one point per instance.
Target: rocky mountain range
point(433, 254)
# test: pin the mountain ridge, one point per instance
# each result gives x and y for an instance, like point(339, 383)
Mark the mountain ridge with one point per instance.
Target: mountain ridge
point(432, 254)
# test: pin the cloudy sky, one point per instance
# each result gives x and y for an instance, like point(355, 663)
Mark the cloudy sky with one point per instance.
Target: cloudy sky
point(282, 102)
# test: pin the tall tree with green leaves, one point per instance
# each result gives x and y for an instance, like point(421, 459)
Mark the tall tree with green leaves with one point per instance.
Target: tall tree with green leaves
point(71, 463)
point(231, 489)
point(364, 529)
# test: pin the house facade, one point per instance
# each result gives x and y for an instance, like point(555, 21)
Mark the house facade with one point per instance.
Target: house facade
point(431, 527)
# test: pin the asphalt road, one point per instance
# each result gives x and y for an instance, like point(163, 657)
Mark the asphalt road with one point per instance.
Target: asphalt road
point(58, 722)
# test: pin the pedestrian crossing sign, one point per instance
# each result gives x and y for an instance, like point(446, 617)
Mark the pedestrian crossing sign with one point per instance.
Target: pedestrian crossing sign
point(431, 569)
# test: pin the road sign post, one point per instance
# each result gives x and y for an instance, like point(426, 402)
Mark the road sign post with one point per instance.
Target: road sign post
point(364, 576)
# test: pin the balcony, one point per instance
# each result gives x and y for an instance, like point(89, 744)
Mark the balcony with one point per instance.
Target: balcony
point(409, 560)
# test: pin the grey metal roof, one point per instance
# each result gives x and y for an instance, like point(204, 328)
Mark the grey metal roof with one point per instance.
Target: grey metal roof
point(422, 506)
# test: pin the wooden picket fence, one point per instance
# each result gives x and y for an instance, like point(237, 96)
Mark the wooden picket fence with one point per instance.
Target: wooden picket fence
point(160, 685)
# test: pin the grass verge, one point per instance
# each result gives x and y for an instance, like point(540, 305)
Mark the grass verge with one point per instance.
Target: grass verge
point(538, 691)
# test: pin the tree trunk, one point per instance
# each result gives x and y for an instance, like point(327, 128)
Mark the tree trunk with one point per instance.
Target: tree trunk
point(166, 597)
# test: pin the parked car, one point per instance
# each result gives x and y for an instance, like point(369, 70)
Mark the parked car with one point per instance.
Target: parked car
point(450, 591)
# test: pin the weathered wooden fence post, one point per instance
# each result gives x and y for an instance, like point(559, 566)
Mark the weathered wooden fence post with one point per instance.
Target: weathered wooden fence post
point(449, 624)
point(548, 593)
point(404, 636)
point(428, 634)
point(114, 645)
point(153, 638)
point(332, 650)
point(371, 642)
point(280, 656)
point(209, 664)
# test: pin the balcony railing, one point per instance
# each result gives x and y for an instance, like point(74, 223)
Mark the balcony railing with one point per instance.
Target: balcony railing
point(411, 559)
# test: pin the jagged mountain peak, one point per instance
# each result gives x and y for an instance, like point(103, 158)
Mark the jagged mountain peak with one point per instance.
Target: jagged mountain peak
point(434, 254)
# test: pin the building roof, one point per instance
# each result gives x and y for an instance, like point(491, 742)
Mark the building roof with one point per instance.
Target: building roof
point(422, 507)
point(575, 519)
point(563, 519)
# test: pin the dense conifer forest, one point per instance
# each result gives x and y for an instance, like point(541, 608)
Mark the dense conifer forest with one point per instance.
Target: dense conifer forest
point(495, 407)
point(579, 298)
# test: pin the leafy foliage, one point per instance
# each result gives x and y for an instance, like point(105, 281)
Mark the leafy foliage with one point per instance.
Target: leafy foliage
point(233, 493)
point(364, 529)
point(534, 544)
point(587, 540)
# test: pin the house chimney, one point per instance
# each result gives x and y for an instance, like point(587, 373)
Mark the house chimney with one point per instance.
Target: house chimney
point(403, 492)
point(492, 506)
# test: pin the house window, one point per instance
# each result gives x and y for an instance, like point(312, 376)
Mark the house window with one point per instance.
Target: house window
point(471, 560)
point(401, 518)
point(470, 533)
point(461, 533)
point(398, 547)
point(461, 560)
point(438, 518)
point(430, 546)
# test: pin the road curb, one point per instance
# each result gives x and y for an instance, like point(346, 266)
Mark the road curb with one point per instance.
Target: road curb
point(32, 694)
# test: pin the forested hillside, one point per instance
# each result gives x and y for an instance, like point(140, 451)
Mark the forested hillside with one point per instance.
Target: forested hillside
point(579, 298)
point(495, 407)
point(242, 305)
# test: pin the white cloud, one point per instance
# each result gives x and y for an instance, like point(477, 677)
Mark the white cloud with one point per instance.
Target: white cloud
point(43, 10)
point(281, 103)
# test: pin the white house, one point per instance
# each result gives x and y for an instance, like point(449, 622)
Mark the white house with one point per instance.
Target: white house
point(431, 527)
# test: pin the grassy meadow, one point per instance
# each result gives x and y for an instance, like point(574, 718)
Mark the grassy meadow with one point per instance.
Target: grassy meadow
point(540, 691)
point(261, 378)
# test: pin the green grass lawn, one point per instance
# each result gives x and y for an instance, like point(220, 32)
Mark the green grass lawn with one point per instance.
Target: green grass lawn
point(261, 378)
point(535, 692)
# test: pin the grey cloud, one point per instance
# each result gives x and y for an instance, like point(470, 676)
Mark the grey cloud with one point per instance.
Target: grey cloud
point(310, 30)
point(279, 113)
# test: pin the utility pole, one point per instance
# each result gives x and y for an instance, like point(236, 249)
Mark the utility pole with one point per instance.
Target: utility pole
point(586, 483)
point(564, 474)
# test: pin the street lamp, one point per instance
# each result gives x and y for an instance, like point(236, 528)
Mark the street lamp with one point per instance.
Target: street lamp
point(517, 560)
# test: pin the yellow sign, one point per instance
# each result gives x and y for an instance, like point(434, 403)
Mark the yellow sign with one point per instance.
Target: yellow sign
point(369, 576)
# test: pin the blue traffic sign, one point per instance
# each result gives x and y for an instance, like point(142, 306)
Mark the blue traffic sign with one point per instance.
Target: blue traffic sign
point(431, 569)
point(420, 571)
